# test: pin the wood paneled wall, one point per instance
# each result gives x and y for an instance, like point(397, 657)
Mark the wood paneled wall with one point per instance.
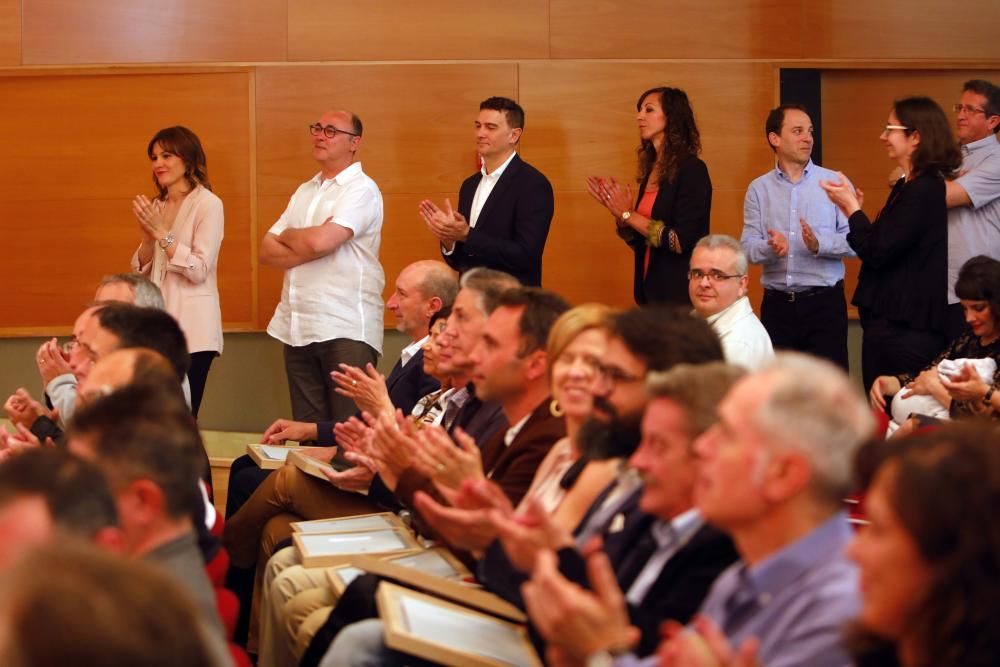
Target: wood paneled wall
point(85, 83)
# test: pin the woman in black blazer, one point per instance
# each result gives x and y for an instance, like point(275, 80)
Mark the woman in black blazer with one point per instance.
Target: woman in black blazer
point(675, 196)
point(902, 289)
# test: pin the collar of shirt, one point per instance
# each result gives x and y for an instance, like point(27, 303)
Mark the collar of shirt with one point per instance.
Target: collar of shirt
point(512, 432)
point(680, 529)
point(349, 173)
point(985, 142)
point(779, 570)
point(411, 349)
point(496, 173)
point(731, 313)
point(782, 176)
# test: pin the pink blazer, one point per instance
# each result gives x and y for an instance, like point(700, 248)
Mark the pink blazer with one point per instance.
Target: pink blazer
point(189, 285)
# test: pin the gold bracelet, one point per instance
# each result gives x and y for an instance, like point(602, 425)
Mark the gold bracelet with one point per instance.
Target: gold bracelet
point(654, 233)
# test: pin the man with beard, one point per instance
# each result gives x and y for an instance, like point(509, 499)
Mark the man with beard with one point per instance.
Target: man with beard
point(640, 341)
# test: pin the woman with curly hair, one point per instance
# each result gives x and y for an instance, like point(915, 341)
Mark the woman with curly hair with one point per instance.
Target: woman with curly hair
point(180, 233)
point(930, 559)
point(671, 211)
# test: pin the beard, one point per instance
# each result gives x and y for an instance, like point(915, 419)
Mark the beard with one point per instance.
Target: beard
point(617, 436)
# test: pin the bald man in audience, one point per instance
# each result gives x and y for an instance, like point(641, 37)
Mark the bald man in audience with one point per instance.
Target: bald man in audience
point(717, 285)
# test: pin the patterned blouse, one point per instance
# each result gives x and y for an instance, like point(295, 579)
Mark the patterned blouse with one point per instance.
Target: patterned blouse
point(966, 346)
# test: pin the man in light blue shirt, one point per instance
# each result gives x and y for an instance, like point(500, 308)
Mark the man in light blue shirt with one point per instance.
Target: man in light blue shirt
point(799, 236)
point(974, 197)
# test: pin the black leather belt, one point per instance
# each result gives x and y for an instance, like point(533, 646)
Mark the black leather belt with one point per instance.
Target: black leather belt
point(792, 297)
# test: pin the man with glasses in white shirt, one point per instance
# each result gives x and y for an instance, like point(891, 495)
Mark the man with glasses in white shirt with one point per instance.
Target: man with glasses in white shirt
point(717, 285)
point(327, 241)
point(974, 197)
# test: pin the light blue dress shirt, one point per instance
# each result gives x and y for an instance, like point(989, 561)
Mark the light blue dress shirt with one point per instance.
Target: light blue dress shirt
point(773, 201)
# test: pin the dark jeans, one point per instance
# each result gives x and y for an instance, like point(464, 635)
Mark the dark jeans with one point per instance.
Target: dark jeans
point(892, 348)
point(200, 363)
point(814, 322)
point(309, 385)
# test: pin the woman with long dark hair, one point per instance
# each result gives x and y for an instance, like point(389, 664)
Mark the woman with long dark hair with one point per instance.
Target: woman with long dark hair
point(180, 232)
point(902, 294)
point(671, 211)
point(930, 558)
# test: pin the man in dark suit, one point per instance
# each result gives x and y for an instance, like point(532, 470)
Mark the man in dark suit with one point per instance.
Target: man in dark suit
point(504, 211)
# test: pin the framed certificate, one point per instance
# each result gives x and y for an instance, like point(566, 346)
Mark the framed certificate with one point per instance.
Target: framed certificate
point(378, 521)
point(327, 549)
point(313, 466)
point(341, 576)
point(467, 594)
point(269, 457)
point(448, 633)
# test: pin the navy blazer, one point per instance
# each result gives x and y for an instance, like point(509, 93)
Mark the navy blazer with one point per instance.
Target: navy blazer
point(511, 229)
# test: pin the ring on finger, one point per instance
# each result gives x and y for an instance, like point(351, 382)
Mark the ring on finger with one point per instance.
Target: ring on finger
point(439, 467)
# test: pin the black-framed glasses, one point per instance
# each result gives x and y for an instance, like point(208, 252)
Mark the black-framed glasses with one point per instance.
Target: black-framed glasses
point(968, 108)
point(329, 131)
point(614, 375)
point(714, 275)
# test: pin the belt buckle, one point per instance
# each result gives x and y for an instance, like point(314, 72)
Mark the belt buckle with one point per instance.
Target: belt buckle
point(791, 297)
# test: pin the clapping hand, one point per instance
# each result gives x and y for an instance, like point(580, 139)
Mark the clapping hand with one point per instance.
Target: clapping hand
point(447, 225)
point(366, 388)
point(152, 222)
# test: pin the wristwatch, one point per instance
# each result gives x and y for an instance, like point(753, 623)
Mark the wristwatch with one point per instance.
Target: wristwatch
point(987, 396)
point(626, 215)
point(166, 241)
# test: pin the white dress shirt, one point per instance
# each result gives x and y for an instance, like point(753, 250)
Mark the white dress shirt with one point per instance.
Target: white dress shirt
point(338, 295)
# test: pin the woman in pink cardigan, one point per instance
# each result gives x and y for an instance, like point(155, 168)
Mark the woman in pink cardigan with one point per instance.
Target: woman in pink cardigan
point(181, 231)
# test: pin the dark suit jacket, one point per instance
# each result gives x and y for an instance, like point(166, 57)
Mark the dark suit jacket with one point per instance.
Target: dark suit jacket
point(406, 384)
point(512, 227)
point(904, 256)
point(684, 206)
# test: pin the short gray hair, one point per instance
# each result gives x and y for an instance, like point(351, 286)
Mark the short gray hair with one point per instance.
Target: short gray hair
point(145, 291)
point(438, 280)
point(725, 241)
point(697, 388)
point(488, 284)
point(816, 409)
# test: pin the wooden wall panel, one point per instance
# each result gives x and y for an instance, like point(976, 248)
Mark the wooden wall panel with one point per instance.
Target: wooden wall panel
point(10, 32)
point(133, 31)
point(580, 116)
point(926, 29)
point(856, 105)
point(676, 29)
point(418, 120)
point(75, 157)
point(406, 30)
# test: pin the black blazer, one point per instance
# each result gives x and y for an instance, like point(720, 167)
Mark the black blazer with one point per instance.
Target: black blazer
point(904, 256)
point(511, 229)
point(683, 205)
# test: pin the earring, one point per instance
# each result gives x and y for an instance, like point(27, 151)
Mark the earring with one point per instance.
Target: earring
point(555, 409)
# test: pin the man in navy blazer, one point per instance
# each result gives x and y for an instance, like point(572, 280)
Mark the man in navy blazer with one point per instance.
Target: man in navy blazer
point(504, 211)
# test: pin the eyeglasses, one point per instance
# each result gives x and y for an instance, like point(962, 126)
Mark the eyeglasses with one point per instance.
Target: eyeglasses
point(328, 131)
point(714, 275)
point(968, 108)
point(614, 375)
point(890, 128)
